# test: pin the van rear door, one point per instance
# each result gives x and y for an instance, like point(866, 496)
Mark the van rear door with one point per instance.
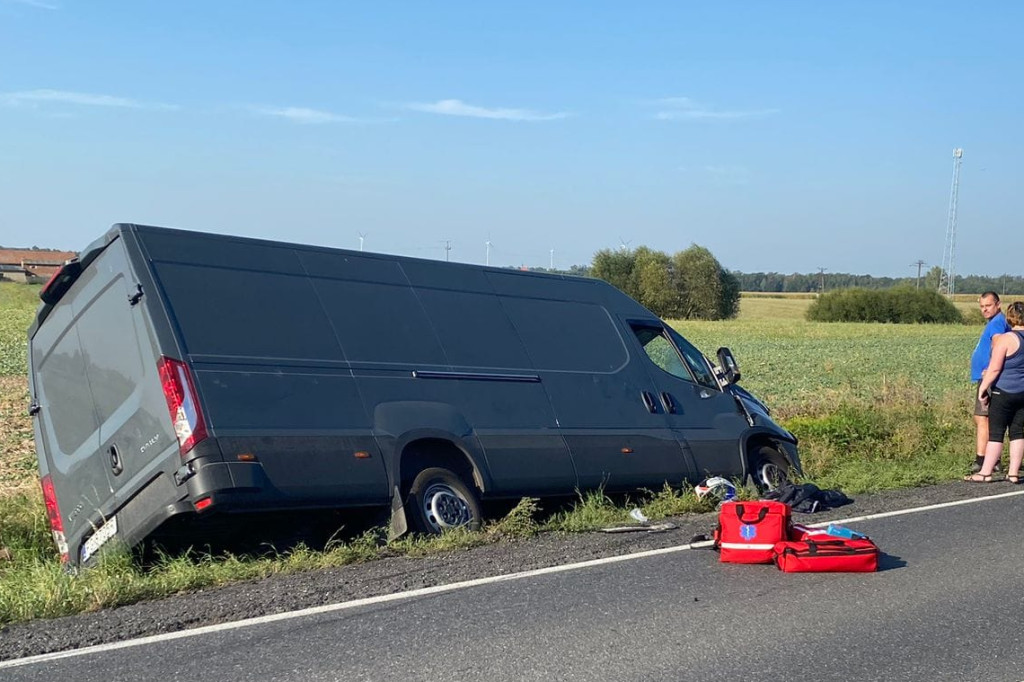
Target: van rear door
point(102, 415)
point(66, 425)
point(121, 365)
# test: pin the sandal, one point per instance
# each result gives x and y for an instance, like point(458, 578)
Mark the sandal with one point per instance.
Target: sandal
point(983, 478)
point(1015, 480)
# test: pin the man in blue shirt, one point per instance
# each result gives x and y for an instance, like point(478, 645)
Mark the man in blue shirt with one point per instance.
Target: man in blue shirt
point(989, 304)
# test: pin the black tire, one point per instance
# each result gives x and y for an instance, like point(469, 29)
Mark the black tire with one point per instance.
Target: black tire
point(439, 500)
point(770, 469)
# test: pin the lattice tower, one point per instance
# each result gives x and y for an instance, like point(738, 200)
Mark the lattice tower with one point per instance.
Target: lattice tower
point(947, 280)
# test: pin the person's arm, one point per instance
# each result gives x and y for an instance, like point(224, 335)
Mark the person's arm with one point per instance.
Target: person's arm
point(995, 366)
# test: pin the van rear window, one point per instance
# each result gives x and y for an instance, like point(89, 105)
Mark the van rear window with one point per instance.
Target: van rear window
point(113, 363)
point(66, 394)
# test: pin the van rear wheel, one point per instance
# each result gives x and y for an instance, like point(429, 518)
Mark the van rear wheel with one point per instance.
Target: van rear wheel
point(770, 469)
point(440, 501)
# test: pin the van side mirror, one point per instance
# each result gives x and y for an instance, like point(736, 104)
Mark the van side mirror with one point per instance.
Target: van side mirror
point(730, 368)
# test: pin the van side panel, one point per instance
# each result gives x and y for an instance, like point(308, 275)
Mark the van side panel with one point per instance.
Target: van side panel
point(513, 419)
point(597, 390)
point(270, 372)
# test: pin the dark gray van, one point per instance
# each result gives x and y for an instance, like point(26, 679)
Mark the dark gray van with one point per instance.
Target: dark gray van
point(181, 374)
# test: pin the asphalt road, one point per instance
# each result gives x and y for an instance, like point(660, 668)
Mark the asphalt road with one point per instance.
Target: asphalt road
point(946, 606)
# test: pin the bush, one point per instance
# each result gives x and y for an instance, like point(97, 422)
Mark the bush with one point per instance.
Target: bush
point(900, 305)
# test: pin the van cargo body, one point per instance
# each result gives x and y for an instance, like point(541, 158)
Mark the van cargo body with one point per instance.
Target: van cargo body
point(182, 374)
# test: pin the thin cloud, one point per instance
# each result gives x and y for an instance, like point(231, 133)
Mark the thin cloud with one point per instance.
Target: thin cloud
point(33, 3)
point(733, 175)
point(34, 98)
point(455, 107)
point(304, 115)
point(684, 108)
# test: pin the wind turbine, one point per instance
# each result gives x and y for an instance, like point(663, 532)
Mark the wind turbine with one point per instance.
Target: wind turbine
point(362, 236)
point(624, 244)
point(488, 243)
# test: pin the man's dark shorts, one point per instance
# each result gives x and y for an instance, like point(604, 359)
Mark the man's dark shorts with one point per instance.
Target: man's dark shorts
point(979, 409)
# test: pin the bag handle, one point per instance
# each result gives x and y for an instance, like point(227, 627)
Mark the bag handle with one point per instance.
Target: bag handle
point(760, 515)
point(814, 545)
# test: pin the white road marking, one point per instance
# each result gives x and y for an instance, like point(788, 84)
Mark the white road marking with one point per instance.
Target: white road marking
point(438, 589)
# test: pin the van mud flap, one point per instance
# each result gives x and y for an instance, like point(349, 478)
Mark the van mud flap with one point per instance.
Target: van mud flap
point(399, 524)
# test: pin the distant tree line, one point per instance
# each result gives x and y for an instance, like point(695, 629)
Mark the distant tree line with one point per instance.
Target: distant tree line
point(809, 282)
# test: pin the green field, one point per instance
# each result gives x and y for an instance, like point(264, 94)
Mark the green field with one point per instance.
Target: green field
point(875, 407)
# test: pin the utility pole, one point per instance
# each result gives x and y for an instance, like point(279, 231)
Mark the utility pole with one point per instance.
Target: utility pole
point(821, 280)
point(919, 264)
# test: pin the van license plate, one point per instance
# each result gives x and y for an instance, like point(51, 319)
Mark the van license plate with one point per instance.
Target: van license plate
point(99, 538)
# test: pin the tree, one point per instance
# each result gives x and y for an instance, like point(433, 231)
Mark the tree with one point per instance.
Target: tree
point(654, 279)
point(691, 284)
point(616, 268)
point(707, 290)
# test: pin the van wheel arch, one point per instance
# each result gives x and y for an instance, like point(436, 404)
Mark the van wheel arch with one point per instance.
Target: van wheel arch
point(435, 467)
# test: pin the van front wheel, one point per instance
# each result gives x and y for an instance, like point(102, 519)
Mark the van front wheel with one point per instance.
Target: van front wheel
point(440, 501)
point(770, 469)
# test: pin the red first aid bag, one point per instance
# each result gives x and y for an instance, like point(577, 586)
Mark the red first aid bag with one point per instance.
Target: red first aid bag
point(835, 555)
point(748, 531)
point(798, 531)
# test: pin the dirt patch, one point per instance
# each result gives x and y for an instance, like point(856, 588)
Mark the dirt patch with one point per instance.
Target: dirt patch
point(18, 468)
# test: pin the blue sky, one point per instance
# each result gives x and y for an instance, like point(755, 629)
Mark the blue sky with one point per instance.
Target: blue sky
point(785, 136)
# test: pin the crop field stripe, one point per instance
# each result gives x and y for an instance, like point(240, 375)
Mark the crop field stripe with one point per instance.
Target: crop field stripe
point(438, 589)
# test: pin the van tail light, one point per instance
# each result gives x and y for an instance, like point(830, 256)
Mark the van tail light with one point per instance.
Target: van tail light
point(53, 514)
point(60, 281)
point(180, 392)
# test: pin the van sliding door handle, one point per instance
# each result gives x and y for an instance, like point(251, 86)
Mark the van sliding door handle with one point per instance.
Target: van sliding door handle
point(648, 401)
point(666, 400)
point(115, 460)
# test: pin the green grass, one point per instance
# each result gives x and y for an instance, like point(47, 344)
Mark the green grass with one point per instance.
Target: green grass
point(875, 407)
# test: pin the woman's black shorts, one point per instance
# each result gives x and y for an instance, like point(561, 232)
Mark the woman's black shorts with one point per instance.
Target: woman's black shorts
point(1005, 411)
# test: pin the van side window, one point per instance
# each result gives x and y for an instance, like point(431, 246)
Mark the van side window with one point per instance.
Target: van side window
point(659, 349)
point(680, 359)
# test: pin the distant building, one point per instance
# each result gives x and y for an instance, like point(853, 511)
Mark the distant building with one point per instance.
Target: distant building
point(31, 265)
